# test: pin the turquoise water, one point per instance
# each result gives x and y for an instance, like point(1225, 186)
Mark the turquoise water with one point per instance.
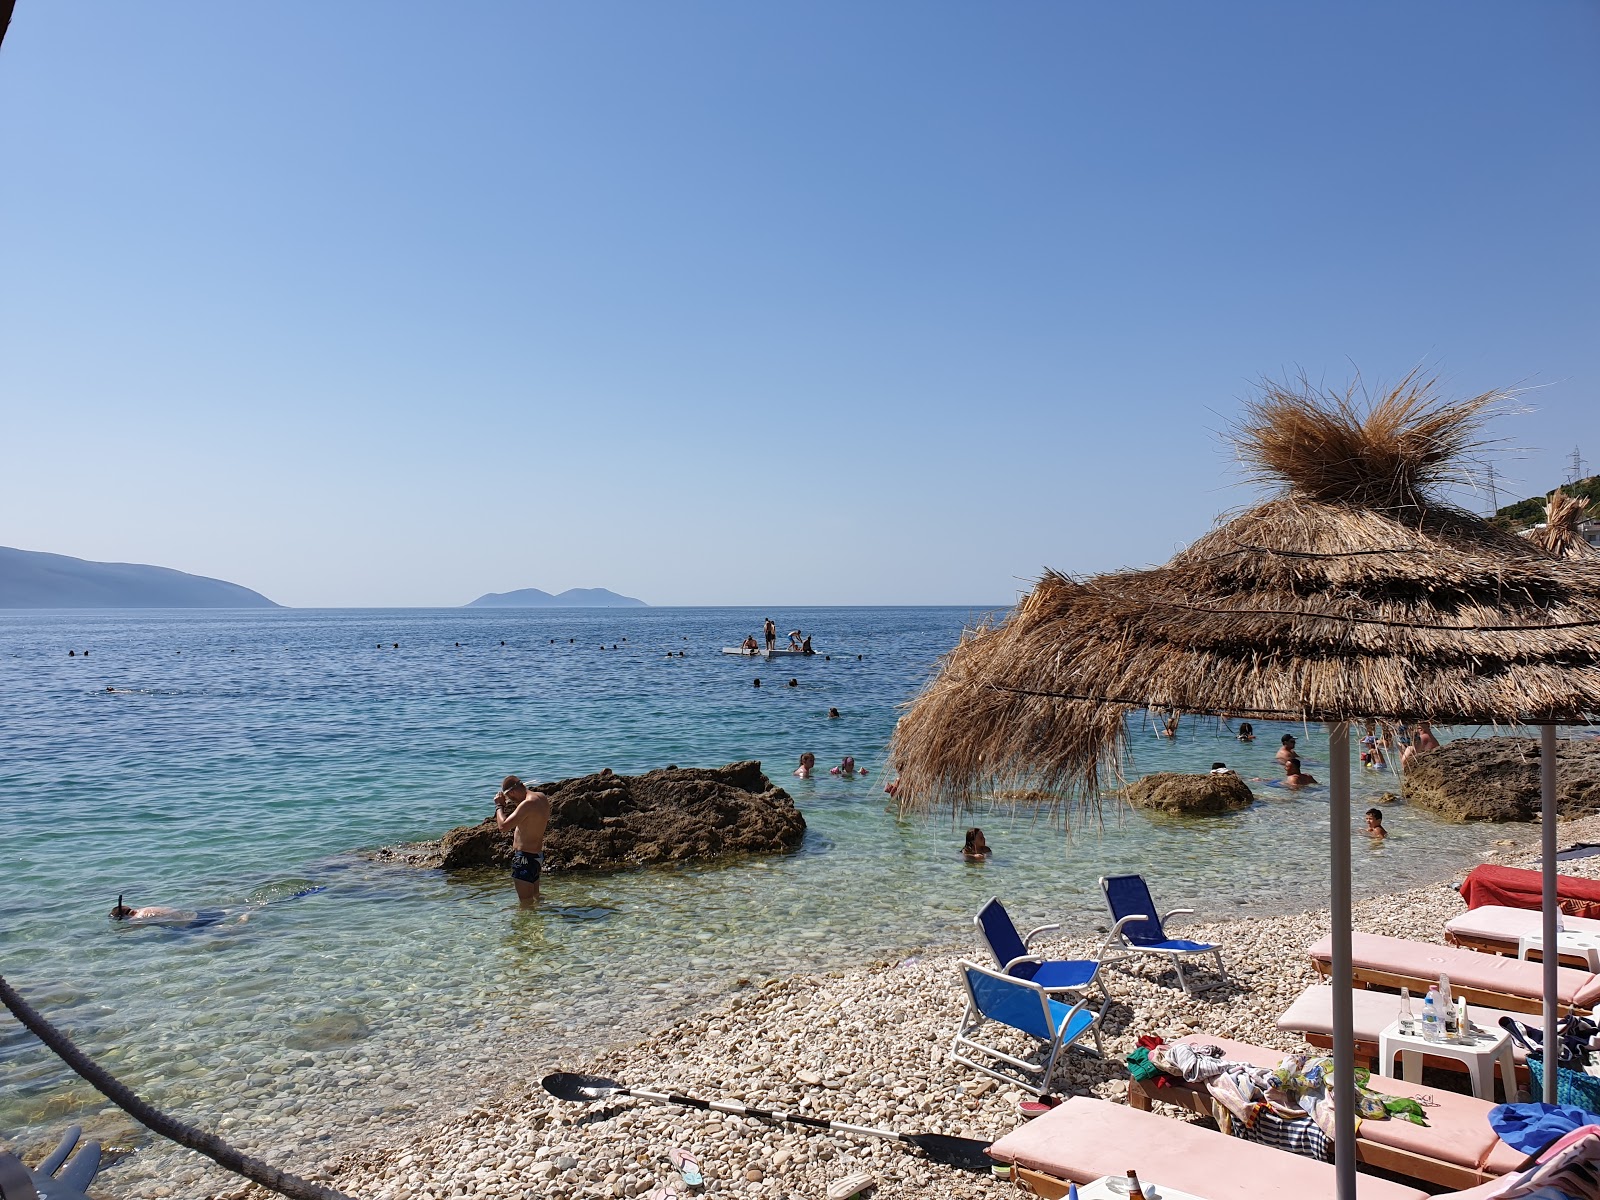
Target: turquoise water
point(245, 756)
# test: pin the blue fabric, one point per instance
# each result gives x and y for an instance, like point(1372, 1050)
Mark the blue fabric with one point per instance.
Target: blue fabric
point(1075, 1026)
point(1011, 1003)
point(1060, 973)
point(1005, 943)
point(1531, 1127)
point(1129, 895)
point(1182, 946)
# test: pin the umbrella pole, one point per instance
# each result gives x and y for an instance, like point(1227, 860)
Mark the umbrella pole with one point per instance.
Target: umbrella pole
point(1552, 955)
point(1344, 1038)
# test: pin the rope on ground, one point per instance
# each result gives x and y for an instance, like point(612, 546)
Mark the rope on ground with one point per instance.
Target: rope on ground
point(213, 1147)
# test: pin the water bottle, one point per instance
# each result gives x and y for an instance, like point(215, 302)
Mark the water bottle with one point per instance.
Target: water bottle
point(1430, 1015)
point(1561, 926)
point(1445, 1009)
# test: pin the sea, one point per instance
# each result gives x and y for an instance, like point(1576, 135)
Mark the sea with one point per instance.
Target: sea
point(243, 761)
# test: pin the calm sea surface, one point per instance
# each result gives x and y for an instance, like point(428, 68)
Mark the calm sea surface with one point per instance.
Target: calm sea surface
point(247, 756)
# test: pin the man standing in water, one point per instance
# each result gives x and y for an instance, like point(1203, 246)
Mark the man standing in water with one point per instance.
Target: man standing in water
point(772, 636)
point(524, 814)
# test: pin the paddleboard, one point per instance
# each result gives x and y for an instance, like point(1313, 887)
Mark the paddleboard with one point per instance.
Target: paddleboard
point(766, 653)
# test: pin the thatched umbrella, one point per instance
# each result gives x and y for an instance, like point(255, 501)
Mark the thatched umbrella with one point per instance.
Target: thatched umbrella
point(1354, 593)
point(1560, 534)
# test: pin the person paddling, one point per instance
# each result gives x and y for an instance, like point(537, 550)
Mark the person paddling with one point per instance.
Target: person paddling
point(525, 814)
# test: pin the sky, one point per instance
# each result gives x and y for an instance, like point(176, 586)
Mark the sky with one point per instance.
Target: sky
point(391, 303)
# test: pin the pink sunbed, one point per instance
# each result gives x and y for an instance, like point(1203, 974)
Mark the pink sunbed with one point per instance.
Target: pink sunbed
point(1482, 978)
point(1311, 1016)
point(1084, 1138)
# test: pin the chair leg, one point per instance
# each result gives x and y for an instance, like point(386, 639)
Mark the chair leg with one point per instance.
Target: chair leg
point(1177, 965)
point(1221, 970)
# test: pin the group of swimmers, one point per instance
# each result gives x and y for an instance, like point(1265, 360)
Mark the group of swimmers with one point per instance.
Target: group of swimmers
point(846, 769)
point(797, 640)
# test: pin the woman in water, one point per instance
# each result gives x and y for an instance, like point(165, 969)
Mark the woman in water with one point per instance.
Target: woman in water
point(976, 849)
point(808, 764)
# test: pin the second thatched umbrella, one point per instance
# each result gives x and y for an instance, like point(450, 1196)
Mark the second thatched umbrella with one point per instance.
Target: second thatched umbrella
point(1354, 593)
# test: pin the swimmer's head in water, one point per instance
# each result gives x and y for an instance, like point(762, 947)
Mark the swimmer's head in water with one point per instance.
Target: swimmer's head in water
point(121, 912)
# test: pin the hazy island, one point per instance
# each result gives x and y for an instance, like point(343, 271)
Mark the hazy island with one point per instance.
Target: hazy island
point(571, 598)
point(34, 579)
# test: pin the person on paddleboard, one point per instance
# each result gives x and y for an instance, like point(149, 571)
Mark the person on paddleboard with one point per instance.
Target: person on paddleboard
point(771, 631)
point(524, 814)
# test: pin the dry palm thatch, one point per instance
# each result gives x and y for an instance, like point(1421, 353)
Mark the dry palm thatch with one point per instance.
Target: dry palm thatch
point(1354, 593)
point(1559, 535)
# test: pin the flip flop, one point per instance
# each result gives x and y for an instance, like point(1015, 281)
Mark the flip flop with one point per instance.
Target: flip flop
point(687, 1165)
point(664, 1192)
point(850, 1185)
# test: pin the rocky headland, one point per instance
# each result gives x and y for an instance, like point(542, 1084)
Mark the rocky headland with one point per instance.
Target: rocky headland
point(607, 822)
point(1497, 779)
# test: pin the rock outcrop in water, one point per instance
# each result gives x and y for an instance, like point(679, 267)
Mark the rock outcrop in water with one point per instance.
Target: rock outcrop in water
point(1174, 792)
point(605, 822)
point(1497, 779)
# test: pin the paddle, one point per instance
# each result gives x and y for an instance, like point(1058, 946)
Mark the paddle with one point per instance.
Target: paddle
point(967, 1153)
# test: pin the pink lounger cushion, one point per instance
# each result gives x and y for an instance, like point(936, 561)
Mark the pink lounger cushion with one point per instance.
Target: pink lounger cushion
point(1497, 923)
point(1083, 1138)
point(1457, 1131)
point(1312, 1013)
point(1469, 968)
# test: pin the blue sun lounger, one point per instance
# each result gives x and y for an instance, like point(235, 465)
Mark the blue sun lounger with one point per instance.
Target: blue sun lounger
point(1139, 930)
point(1027, 1008)
point(1010, 949)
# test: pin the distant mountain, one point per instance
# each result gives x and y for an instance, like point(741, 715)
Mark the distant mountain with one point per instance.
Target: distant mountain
point(32, 579)
point(571, 598)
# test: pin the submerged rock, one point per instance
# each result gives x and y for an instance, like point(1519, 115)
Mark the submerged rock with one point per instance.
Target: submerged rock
point(1497, 779)
point(1174, 792)
point(606, 821)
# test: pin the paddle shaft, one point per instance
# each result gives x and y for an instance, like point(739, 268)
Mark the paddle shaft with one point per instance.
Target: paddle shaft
point(734, 1108)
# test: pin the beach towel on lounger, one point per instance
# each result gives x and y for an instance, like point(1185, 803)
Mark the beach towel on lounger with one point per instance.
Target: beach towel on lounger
point(1573, 1173)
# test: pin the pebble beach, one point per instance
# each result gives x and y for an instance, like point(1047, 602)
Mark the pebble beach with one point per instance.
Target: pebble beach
point(868, 1046)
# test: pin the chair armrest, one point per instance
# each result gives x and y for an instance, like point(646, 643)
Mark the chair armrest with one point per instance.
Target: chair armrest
point(1177, 912)
point(1033, 933)
point(1115, 936)
point(1021, 958)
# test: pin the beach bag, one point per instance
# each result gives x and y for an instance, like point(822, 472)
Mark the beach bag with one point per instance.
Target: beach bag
point(1573, 1033)
point(1573, 1088)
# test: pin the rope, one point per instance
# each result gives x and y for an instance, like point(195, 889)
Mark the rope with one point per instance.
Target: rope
point(213, 1147)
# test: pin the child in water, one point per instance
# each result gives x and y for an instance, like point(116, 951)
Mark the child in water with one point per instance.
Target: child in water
point(808, 763)
point(1375, 827)
point(976, 849)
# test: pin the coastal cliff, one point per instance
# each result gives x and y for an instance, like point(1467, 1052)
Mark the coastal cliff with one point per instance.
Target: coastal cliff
point(1497, 779)
point(607, 822)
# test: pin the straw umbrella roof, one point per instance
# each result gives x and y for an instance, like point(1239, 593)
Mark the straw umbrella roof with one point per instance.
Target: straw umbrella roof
point(1355, 592)
point(1559, 534)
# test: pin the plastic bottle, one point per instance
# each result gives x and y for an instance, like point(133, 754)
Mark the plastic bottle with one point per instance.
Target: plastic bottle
point(1561, 926)
point(1445, 1008)
point(1430, 1015)
point(1463, 1025)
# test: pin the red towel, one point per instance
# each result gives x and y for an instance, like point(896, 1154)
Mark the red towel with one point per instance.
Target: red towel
point(1513, 887)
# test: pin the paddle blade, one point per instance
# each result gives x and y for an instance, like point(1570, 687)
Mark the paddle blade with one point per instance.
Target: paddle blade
point(969, 1154)
point(581, 1089)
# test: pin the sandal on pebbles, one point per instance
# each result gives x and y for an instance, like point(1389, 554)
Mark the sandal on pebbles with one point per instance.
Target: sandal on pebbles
point(850, 1185)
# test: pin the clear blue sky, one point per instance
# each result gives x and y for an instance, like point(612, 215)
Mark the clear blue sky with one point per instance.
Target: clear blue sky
point(399, 303)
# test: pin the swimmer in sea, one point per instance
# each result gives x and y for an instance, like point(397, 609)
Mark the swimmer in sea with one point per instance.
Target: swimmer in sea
point(976, 848)
point(1375, 827)
point(172, 918)
point(808, 765)
point(524, 814)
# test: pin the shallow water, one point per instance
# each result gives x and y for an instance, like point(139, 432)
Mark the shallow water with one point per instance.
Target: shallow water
point(245, 756)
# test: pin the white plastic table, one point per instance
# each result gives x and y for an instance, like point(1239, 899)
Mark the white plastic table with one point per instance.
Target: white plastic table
point(1575, 942)
point(1100, 1189)
point(1488, 1048)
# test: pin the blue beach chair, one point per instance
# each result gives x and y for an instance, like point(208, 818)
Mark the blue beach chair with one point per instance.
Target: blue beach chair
point(1140, 931)
point(1026, 1007)
point(1010, 949)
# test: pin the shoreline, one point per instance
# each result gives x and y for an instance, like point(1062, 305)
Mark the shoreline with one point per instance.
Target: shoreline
point(865, 1043)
